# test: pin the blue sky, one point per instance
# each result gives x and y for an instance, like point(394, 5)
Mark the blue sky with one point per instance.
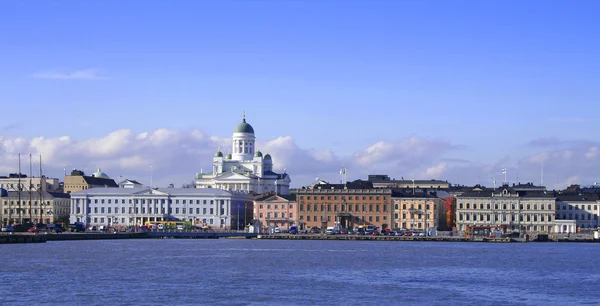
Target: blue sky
point(487, 76)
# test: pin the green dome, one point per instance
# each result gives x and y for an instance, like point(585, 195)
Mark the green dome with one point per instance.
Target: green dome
point(219, 154)
point(267, 157)
point(258, 154)
point(228, 156)
point(244, 127)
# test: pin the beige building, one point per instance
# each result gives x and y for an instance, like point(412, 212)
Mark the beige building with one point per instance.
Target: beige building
point(47, 207)
point(420, 212)
point(276, 210)
point(514, 211)
point(78, 181)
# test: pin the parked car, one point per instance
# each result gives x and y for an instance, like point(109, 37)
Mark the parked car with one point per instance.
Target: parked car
point(294, 230)
point(315, 230)
point(277, 230)
point(32, 230)
point(8, 228)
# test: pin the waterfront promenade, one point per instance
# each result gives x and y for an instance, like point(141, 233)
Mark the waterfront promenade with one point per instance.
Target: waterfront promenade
point(41, 238)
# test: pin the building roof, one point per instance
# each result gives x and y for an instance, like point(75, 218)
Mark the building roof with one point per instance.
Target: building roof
point(99, 181)
point(289, 197)
point(577, 197)
point(137, 190)
point(357, 184)
point(36, 196)
point(244, 127)
point(100, 174)
point(400, 194)
point(384, 178)
point(279, 176)
point(487, 193)
point(130, 181)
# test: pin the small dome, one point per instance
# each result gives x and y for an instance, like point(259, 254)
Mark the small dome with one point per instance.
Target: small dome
point(244, 127)
point(258, 154)
point(219, 154)
point(267, 157)
point(99, 174)
point(228, 156)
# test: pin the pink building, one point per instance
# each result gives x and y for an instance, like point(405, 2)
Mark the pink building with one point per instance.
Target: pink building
point(276, 210)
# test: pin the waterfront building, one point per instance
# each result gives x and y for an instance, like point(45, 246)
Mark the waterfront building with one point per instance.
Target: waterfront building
point(418, 212)
point(36, 207)
point(582, 209)
point(244, 168)
point(12, 181)
point(415, 186)
point(351, 204)
point(276, 210)
point(78, 181)
point(516, 211)
point(136, 206)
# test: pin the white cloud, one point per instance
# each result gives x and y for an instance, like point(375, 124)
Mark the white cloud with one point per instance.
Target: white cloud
point(436, 171)
point(87, 74)
point(177, 155)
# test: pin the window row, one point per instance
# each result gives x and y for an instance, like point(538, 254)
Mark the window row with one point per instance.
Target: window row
point(357, 219)
point(576, 207)
point(150, 211)
point(504, 206)
point(150, 201)
point(412, 206)
point(357, 198)
point(344, 207)
point(275, 215)
point(505, 217)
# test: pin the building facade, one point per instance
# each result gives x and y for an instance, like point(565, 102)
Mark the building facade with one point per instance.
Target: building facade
point(276, 210)
point(244, 168)
point(350, 205)
point(515, 211)
point(34, 207)
point(78, 181)
point(584, 209)
point(13, 181)
point(136, 206)
point(421, 212)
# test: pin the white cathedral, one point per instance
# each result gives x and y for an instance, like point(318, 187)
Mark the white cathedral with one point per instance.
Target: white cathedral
point(246, 170)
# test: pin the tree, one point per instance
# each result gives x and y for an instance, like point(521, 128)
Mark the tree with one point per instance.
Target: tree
point(191, 184)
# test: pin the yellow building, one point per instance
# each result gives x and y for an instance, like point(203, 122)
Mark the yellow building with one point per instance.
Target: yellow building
point(78, 181)
point(35, 207)
point(421, 212)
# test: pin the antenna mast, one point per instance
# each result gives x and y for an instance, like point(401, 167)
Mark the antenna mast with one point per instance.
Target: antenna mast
point(151, 175)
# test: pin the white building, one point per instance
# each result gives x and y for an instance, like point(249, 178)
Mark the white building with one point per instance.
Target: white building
point(11, 183)
point(583, 209)
point(246, 169)
point(517, 211)
point(136, 206)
